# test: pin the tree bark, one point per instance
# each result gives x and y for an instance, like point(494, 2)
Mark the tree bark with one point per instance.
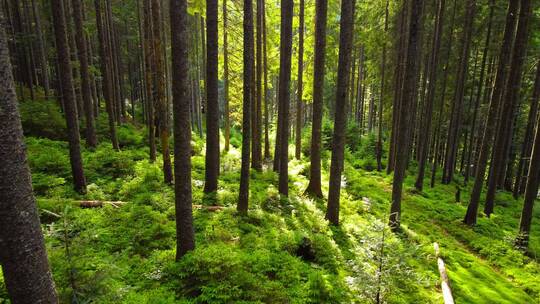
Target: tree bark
point(510, 101)
point(340, 121)
point(381, 97)
point(148, 64)
point(256, 162)
point(243, 199)
point(62, 49)
point(185, 234)
point(212, 111)
point(24, 259)
point(284, 93)
point(227, 125)
point(299, 101)
point(314, 186)
point(409, 90)
point(489, 130)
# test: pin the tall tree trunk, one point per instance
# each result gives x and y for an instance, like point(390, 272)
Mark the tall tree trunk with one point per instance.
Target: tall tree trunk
point(284, 93)
point(24, 259)
point(479, 91)
point(44, 66)
point(62, 48)
point(381, 97)
point(266, 98)
point(256, 151)
point(243, 199)
point(526, 146)
point(212, 111)
point(314, 186)
point(185, 234)
point(159, 92)
point(409, 90)
point(454, 129)
point(148, 65)
point(107, 81)
point(86, 92)
point(496, 98)
point(226, 78)
point(425, 130)
point(346, 26)
point(510, 101)
point(299, 101)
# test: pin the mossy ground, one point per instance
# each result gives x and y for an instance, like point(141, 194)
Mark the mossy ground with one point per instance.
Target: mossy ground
point(283, 251)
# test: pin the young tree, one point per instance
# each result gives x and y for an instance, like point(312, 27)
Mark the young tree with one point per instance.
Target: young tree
point(86, 92)
point(346, 26)
point(409, 91)
point(68, 96)
point(285, 54)
point(24, 259)
point(243, 199)
point(299, 101)
point(185, 235)
point(314, 186)
point(511, 98)
point(159, 91)
point(107, 80)
point(212, 111)
point(489, 129)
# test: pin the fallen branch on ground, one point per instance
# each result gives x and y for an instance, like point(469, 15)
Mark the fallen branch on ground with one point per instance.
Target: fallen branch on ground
point(99, 204)
point(445, 282)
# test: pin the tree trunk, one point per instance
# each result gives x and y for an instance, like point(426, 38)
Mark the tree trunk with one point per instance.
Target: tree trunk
point(227, 125)
point(509, 102)
point(454, 129)
point(62, 49)
point(425, 130)
point(489, 130)
point(159, 91)
point(256, 161)
point(266, 98)
point(107, 81)
point(185, 234)
point(340, 121)
point(314, 186)
point(148, 65)
point(243, 199)
point(212, 112)
point(299, 101)
point(409, 91)
point(86, 92)
point(24, 259)
point(44, 66)
point(526, 147)
point(382, 92)
point(284, 93)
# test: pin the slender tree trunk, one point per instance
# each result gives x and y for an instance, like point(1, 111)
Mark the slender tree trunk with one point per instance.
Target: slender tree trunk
point(212, 111)
point(243, 199)
point(489, 130)
point(510, 101)
point(454, 129)
point(266, 98)
point(107, 81)
point(299, 100)
point(185, 234)
point(148, 64)
point(86, 92)
point(409, 90)
point(256, 161)
point(44, 66)
point(62, 48)
point(314, 186)
point(425, 129)
point(526, 147)
point(159, 92)
point(381, 97)
point(479, 91)
point(346, 26)
point(24, 259)
point(226, 78)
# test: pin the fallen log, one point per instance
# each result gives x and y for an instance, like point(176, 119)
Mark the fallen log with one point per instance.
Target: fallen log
point(209, 208)
point(445, 282)
point(99, 204)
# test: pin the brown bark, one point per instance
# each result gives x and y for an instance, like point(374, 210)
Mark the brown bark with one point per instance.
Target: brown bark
point(338, 141)
point(314, 186)
point(212, 111)
point(382, 91)
point(227, 125)
point(148, 64)
point(185, 234)
point(24, 259)
point(256, 162)
point(300, 92)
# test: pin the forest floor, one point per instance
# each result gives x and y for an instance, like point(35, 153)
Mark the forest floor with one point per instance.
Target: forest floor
point(283, 251)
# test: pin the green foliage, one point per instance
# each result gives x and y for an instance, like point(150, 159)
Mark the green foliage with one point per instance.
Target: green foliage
point(43, 119)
